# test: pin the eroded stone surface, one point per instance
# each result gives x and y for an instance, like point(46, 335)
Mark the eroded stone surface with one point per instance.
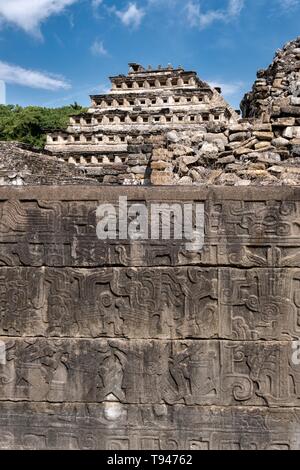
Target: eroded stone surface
point(159, 348)
point(192, 372)
point(115, 426)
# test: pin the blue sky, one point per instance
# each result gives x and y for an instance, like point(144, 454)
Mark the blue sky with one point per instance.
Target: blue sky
point(53, 52)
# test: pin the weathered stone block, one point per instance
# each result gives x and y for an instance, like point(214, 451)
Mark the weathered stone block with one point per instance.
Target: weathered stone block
point(202, 372)
point(280, 142)
point(291, 110)
point(262, 135)
point(160, 165)
point(262, 145)
point(161, 178)
point(239, 136)
point(111, 426)
point(284, 122)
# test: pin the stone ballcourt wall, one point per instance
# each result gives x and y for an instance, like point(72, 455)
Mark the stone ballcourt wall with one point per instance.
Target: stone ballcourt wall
point(122, 345)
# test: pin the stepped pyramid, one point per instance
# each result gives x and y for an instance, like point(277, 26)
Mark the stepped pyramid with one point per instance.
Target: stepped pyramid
point(142, 103)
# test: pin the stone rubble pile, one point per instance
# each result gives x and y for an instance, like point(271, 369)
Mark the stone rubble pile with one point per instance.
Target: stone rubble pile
point(245, 153)
point(276, 92)
point(261, 148)
point(19, 167)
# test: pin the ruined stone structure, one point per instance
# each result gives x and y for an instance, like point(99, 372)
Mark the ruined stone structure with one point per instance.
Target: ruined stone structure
point(142, 106)
point(139, 104)
point(19, 166)
point(121, 344)
point(145, 345)
point(276, 91)
point(166, 126)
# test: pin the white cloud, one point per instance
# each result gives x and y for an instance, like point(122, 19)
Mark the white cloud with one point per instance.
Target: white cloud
point(96, 3)
point(79, 94)
point(235, 7)
point(29, 14)
point(196, 18)
point(288, 4)
point(159, 3)
point(95, 7)
point(201, 19)
point(132, 16)
point(98, 48)
point(228, 88)
point(2, 92)
point(31, 78)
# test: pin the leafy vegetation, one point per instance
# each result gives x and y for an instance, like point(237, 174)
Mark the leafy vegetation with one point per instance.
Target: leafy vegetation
point(30, 124)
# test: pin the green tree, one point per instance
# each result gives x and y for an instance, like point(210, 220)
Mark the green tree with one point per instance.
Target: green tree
point(31, 124)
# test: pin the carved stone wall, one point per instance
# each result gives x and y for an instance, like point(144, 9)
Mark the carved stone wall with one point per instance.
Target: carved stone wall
point(145, 345)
